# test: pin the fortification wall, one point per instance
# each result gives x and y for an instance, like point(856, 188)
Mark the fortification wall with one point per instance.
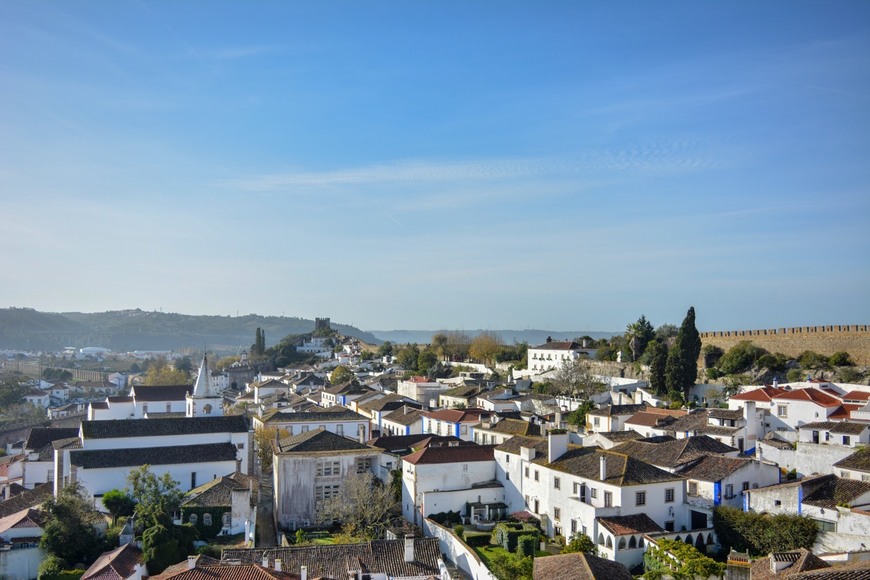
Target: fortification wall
point(851, 338)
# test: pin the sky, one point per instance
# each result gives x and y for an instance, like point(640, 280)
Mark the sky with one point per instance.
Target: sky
point(439, 164)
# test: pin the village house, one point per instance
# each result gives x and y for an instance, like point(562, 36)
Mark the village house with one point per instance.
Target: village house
point(338, 420)
point(456, 422)
point(20, 554)
point(553, 354)
point(422, 390)
point(309, 468)
point(611, 497)
point(497, 430)
point(223, 506)
point(445, 478)
point(403, 421)
point(123, 563)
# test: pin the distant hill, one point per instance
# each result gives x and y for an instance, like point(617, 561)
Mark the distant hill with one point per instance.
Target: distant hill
point(533, 337)
point(127, 330)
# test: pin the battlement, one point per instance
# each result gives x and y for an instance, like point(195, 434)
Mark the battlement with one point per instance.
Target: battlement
point(826, 340)
point(837, 328)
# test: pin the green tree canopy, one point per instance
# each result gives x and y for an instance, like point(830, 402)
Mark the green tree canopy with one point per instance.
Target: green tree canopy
point(639, 334)
point(658, 358)
point(156, 496)
point(162, 373)
point(340, 375)
point(69, 532)
point(681, 369)
point(119, 503)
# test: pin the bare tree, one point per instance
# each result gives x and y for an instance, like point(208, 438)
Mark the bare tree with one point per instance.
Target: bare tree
point(575, 378)
point(364, 506)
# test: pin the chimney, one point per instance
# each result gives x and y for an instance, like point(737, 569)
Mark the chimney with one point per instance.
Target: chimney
point(238, 465)
point(191, 562)
point(557, 444)
point(265, 562)
point(303, 573)
point(602, 471)
point(277, 564)
point(558, 419)
point(409, 548)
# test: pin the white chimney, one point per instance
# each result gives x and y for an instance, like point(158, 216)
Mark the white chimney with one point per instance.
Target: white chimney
point(303, 573)
point(409, 548)
point(558, 419)
point(602, 471)
point(265, 562)
point(277, 564)
point(557, 445)
point(191, 562)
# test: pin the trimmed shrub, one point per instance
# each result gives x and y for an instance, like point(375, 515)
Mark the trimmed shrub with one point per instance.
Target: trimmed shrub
point(527, 545)
point(477, 539)
point(459, 529)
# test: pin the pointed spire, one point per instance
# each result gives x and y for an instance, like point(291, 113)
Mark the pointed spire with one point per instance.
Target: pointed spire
point(202, 388)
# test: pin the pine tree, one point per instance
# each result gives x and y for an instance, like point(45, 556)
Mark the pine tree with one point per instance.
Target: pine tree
point(681, 370)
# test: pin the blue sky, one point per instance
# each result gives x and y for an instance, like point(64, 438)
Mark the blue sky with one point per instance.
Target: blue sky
point(558, 165)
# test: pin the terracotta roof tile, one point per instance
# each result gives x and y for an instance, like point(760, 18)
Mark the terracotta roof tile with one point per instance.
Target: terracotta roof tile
point(578, 566)
point(628, 525)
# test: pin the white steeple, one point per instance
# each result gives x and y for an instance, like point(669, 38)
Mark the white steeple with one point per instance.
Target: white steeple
point(202, 388)
point(204, 401)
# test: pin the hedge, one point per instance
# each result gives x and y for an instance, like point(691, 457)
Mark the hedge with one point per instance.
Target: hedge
point(506, 534)
point(527, 545)
point(477, 539)
point(761, 534)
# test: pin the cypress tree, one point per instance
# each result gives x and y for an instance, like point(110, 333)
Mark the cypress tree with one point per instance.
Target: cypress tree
point(657, 362)
point(681, 370)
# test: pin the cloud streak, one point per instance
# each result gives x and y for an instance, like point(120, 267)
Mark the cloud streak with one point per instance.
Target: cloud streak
point(671, 156)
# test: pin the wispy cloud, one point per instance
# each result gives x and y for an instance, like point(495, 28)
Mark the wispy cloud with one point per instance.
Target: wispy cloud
point(670, 156)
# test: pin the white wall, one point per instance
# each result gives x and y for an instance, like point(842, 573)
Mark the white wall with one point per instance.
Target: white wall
point(20, 564)
point(99, 481)
point(458, 551)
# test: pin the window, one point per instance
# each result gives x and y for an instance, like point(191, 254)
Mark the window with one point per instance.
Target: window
point(745, 486)
point(322, 492)
point(576, 488)
point(557, 484)
point(693, 488)
point(596, 421)
point(240, 446)
point(669, 495)
point(206, 519)
point(464, 430)
point(777, 502)
point(537, 478)
point(206, 409)
point(593, 493)
point(465, 468)
point(573, 527)
point(527, 471)
point(640, 498)
point(305, 429)
point(608, 499)
point(846, 440)
point(363, 464)
point(557, 514)
point(168, 407)
point(826, 526)
point(227, 519)
point(729, 491)
point(782, 410)
point(144, 408)
point(507, 475)
point(193, 519)
point(328, 468)
point(507, 457)
point(339, 430)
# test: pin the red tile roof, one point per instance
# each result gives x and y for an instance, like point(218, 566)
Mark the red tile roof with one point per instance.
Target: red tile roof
point(458, 454)
point(762, 394)
point(811, 395)
point(856, 396)
point(458, 415)
point(844, 412)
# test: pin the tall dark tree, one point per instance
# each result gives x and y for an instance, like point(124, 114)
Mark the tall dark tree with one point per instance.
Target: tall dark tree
point(681, 370)
point(259, 346)
point(69, 531)
point(658, 358)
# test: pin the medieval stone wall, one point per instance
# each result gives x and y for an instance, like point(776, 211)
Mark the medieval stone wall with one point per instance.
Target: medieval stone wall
point(826, 340)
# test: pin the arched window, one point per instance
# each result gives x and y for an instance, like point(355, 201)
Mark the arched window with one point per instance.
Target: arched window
point(194, 518)
point(600, 538)
point(640, 542)
point(227, 519)
point(609, 542)
point(206, 410)
point(688, 539)
point(206, 519)
point(632, 543)
point(621, 544)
